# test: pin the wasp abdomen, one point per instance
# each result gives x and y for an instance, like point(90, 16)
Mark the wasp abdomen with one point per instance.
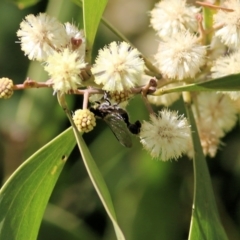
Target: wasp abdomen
point(135, 127)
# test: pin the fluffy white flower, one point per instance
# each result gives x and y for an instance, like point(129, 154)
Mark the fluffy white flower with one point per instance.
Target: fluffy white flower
point(41, 35)
point(172, 16)
point(64, 69)
point(225, 66)
point(166, 136)
point(75, 38)
point(217, 109)
point(230, 32)
point(118, 67)
point(180, 56)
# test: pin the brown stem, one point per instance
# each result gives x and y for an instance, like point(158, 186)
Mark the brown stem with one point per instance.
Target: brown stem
point(209, 5)
point(145, 91)
point(201, 30)
point(85, 100)
point(28, 83)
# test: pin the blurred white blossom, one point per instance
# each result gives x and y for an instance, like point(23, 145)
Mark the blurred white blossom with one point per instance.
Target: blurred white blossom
point(216, 109)
point(227, 65)
point(210, 137)
point(172, 16)
point(229, 32)
point(166, 99)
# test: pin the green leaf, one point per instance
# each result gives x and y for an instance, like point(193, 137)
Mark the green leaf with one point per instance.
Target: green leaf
point(98, 182)
point(205, 222)
point(227, 83)
point(24, 197)
point(78, 2)
point(92, 13)
point(25, 3)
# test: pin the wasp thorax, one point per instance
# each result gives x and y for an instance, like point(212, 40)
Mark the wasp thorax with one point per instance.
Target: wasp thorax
point(118, 120)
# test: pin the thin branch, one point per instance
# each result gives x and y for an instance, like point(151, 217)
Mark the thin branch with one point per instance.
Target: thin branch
point(145, 90)
point(29, 83)
point(209, 5)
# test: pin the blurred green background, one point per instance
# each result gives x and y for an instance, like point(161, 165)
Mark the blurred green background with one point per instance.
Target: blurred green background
point(152, 199)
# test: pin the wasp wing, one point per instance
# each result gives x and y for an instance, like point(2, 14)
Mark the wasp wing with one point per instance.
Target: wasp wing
point(119, 128)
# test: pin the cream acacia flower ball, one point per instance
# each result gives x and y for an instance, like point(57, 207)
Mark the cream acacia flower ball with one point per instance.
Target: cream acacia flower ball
point(172, 16)
point(40, 36)
point(229, 33)
point(217, 109)
point(118, 67)
point(166, 135)
point(64, 69)
point(180, 56)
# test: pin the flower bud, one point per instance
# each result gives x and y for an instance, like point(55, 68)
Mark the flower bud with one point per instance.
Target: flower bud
point(84, 120)
point(119, 97)
point(6, 88)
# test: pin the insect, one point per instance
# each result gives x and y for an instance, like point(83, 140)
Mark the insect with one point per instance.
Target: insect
point(118, 121)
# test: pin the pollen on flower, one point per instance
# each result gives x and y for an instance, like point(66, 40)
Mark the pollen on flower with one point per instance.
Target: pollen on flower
point(64, 69)
point(84, 120)
point(172, 16)
point(40, 36)
point(166, 136)
point(180, 56)
point(229, 33)
point(118, 67)
point(6, 88)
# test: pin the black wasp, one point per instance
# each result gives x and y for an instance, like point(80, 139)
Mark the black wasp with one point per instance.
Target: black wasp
point(118, 121)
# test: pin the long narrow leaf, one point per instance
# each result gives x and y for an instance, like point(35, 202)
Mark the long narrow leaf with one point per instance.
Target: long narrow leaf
point(97, 180)
point(24, 197)
point(92, 13)
point(227, 83)
point(93, 171)
point(205, 222)
point(99, 183)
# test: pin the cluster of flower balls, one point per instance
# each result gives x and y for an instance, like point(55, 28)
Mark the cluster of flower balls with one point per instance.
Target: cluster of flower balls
point(182, 56)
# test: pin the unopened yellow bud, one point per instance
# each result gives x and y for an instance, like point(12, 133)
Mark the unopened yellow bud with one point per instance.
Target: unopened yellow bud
point(84, 120)
point(6, 88)
point(119, 97)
